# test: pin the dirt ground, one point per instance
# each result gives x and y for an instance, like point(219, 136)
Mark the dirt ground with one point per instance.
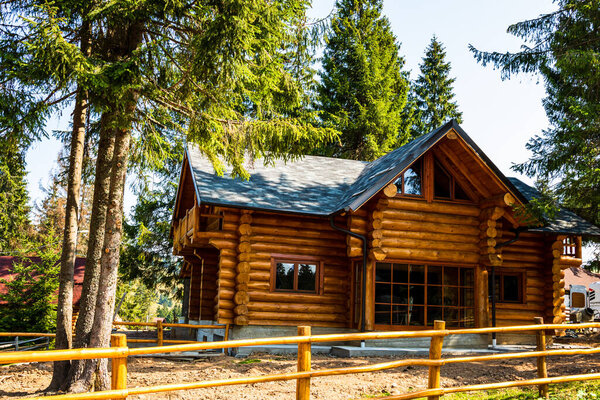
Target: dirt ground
point(26, 380)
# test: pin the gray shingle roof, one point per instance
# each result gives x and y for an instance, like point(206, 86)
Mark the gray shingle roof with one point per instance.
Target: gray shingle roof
point(311, 185)
point(322, 186)
point(565, 221)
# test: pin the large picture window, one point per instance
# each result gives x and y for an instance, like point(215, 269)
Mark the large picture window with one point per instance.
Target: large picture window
point(418, 294)
point(296, 275)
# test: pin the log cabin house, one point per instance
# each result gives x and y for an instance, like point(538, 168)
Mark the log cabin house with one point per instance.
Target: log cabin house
point(426, 232)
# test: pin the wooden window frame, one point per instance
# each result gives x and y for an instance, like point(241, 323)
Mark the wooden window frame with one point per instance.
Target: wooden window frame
point(522, 285)
point(571, 246)
point(297, 259)
point(401, 179)
point(427, 264)
point(453, 184)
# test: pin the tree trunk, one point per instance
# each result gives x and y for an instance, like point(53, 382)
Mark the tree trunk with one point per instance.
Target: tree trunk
point(96, 240)
point(64, 317)
point(107, 287)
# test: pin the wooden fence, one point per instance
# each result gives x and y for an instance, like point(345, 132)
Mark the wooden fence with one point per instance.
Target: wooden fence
point(119, 353)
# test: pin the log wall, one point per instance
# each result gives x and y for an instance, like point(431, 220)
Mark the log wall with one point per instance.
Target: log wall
point(272, 234)
point(435, 232)
point(527, 256)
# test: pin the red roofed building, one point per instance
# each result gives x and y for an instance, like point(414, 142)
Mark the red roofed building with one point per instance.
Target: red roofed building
point(580, 276)
point(6, 263)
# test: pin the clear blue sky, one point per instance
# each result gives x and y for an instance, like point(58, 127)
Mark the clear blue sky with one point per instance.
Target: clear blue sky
point(499, 115)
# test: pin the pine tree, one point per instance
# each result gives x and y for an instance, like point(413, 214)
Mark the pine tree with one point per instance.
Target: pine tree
point(564, 48)
point(433, 93)
point(14, 218)
point(363, 91)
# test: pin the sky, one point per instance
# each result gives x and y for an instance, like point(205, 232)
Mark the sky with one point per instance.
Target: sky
point(500, 116)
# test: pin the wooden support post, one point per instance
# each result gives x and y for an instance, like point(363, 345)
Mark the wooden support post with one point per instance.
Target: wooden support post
point(542, 370)
point(159, 333)
point(16, 343)
point(119, 364)
point(435, 353)
point(304, 352)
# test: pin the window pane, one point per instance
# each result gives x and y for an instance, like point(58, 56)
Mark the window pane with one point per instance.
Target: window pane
point(451, 276)
point(383, 272)
point(417, 294)
point(412, 179)
point(434, 295)
point(467, 297)
point(400, 294)
point(416, 315)
point(382, 314)
point(511, 288)
point(399, 315)
point(497, 286)
point(466, 277)
point(434, 313)
point(383, 293)
point(417, 274)
point(450, 296)
point(441, 182)
point(451, 316)
point(398, 183)
point(434, 275)
point(459, 193)
point(400, 273)
point(468, 318)
point(307, 277)
point(284, 276)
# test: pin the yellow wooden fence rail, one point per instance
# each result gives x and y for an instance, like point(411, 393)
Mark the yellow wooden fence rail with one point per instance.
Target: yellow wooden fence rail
point(120, 352)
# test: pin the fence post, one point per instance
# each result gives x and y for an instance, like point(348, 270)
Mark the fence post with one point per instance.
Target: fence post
point(159, 332)
point(118, 378)
point(16, 343)
point(226, 338)
point(542, 370)
point(303, 385)
point(435, 353)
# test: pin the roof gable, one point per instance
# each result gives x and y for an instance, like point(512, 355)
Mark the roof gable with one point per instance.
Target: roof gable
point(323, 186)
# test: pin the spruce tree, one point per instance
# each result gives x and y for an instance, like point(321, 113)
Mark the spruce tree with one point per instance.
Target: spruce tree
point(14, 218)
point(363, 90)
point(433, 93)
point(564, 48)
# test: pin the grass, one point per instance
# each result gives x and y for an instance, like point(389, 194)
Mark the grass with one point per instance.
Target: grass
point(570, 391)
point(250, 361)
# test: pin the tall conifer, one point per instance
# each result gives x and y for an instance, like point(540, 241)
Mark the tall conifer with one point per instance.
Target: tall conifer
point(363, 91)
point(434, 98)
point(564, 48)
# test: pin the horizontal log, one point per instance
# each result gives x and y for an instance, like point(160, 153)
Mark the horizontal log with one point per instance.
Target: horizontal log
point(298, 250)
point(393, 214)
point(243, 268)
point(390, 190)
point(523, 257)
point(377, 223)
point(276, 297)
point(242, 309)
point(245, 229)
point(291, 222)
point(260, 275)
point(297, 241)
point(430, 227)
point(225, 283)
point(429, 244)
point(432, 255)
point(437, 207)
point(242, 279)
point(297, 308)
point(223, 243)
point(241, 298)
point(227, 273)
point(295, 232)
point(263, 286)
point(245, 218)
point(326, 324)
point(442, 237)
point(241, 320)
point(312, 317)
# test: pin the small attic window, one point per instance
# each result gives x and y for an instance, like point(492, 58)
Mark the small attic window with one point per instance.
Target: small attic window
point(411, 181)
point(445, 185)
